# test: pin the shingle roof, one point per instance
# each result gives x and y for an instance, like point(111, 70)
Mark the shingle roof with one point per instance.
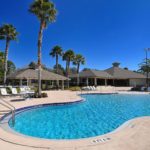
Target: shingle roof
point(92, 73)
point(119, 73)
point(33, 74)
point(111, 73)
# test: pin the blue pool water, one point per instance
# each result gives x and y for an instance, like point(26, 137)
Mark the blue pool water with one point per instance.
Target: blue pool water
point(99, 114)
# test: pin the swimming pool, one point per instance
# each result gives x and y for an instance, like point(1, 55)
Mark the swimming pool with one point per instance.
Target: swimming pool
point(98, 115)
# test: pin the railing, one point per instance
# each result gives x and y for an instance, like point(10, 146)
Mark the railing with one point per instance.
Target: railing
point(11, 108)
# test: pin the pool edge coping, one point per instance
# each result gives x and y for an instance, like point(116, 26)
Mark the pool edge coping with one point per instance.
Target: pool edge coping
point(127, 124)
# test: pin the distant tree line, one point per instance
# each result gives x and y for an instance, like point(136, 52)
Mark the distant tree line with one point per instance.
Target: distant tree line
point(8, 33)
point(10, 67)
point(69, 57)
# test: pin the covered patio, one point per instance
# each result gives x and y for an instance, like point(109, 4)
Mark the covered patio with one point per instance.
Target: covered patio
point(91, 77)
point(96, 81)
point(29, 77)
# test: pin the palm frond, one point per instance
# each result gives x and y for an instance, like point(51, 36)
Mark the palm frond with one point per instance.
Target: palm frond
point(8, 31)
point(44, 10)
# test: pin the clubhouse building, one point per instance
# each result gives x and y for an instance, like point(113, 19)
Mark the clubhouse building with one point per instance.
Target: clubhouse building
point(114, 76)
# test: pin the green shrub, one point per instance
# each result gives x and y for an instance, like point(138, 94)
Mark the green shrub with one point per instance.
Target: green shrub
point(18, 89)
point(43, 95)
point(35, 89)
point(8, 89)
point(44, 87)
point(137, 88)
point(75, 88)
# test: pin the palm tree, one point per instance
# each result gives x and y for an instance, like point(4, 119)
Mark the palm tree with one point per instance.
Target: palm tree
point(78, 60)
point(46, 13)
point(68, 56)
point(7, 32)
point(56, 52)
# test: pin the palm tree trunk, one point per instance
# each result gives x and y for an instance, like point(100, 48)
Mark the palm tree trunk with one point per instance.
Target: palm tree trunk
point(78, 67)
point(68, 68)
point(40, 37)
point(57, 69)
point(56, 63)
point(78, 78)
point(6, 59)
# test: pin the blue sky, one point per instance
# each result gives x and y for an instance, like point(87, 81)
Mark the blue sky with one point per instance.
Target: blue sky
point(103, 31)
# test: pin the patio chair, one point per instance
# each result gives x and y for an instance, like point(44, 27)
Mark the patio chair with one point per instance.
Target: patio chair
point(26, 91)
point(143, 88)
point(15, 92)
point(87, 88)
point(22, 90)
point(94, 88)
point(4, 92)
point(148, 89)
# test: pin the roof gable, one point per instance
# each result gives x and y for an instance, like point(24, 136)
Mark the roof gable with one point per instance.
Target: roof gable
point(92, 74)
point(33, 74)
point(120, 73)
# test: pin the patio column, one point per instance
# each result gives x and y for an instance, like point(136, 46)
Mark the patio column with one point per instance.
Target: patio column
point(105, 82)
point(27, 82)
point(95, 81)
point(52, 83)
point(13, 82)
point(20, 82)
point(113, 82)
point(62, 85)
point(87, 81)
point(57, 83)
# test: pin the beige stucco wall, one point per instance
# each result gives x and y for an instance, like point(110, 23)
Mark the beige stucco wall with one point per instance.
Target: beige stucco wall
point(137, 82)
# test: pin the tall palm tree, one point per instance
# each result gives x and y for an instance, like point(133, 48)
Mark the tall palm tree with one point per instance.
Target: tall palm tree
point(78, 60)
point(7, 32)
point(56, 52)
point(46, 13)
point(68, 57)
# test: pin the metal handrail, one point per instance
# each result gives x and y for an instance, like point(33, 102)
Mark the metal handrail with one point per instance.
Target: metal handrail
point(11, 108)
point(7, 103)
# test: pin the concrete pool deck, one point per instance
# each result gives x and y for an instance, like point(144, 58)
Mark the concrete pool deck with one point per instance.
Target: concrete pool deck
point(134, 135)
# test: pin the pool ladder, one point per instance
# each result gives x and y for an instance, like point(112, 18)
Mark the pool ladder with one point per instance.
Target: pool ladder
point(10, 109)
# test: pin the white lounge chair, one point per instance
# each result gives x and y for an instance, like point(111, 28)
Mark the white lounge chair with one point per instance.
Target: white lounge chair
point(15, 92)
point(143, 88)
point(22, 90)
point(87, 88)
point(148, 89)
point(94, 88)
point(27, 91)
point(4, 92)
point(91, 88)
